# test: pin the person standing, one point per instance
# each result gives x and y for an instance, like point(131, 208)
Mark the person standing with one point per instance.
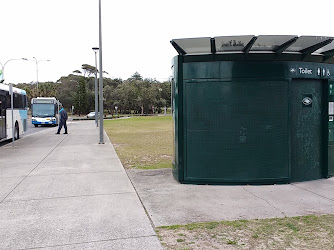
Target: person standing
point(63, 118)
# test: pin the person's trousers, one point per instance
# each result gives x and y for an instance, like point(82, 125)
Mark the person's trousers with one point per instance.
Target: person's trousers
point(61, 124)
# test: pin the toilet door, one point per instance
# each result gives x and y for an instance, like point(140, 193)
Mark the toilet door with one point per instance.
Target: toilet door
point(306, 129)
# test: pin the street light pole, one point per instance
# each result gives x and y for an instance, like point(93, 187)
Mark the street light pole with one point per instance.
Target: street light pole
point(36, 71)
point(101, 76)
point(3, 66)
point(37, 61)
point(96, 88)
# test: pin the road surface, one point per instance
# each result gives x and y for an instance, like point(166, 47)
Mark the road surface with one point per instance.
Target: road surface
point(30, 130)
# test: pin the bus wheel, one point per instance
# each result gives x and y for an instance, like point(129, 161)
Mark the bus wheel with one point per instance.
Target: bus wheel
point(36, 125)
point(16, 132)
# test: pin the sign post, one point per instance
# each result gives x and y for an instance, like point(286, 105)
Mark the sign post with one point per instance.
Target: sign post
point(12, 109)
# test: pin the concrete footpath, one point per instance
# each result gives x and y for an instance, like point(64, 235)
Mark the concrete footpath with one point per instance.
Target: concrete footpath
point(69, 192)
point(170, 203)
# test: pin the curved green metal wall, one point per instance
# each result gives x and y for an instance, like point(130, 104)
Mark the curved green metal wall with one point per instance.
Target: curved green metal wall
point(251, 121)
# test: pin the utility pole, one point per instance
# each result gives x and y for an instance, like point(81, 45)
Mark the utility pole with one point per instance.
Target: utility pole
point(96, 89)
point(37, 61)
point(101, 76)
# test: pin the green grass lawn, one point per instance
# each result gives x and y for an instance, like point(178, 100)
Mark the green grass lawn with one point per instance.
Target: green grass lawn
point(142, 142)
point(306, 232)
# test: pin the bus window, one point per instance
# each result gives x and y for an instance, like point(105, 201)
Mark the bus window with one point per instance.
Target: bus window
point(8, 102)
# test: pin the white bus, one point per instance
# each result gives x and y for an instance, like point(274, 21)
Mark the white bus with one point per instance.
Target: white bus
point(20, 113)
point(45, 111)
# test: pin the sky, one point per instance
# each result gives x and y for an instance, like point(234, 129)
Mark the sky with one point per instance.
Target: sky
point(136, 34)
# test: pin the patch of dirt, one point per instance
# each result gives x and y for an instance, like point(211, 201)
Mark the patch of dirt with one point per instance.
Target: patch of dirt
point(145, 159)
point(119, 145)
point(165, 156)
point(151, 173)
point(305, 232)
point(196, 239)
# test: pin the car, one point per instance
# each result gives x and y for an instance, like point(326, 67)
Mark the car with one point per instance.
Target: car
point(91, 115)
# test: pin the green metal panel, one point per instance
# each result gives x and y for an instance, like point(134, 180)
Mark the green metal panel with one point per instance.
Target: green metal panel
point(330, 129)
point(306, 130)
point(243, 121)
point(237, 131)
point(331, 89)
point(256, 69)
point(229, 70)
point(331, 159)
point(331, 134)
point(177, 112)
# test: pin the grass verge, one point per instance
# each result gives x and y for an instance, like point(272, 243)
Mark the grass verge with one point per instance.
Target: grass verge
point(305, 232)
point(142, 142)
point(146, 143)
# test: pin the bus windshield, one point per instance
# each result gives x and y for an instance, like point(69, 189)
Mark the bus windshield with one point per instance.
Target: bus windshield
point(43, 110)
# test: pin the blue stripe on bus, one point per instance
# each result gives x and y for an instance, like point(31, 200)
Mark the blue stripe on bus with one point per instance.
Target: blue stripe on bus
point(50, 122)
point(23, 114)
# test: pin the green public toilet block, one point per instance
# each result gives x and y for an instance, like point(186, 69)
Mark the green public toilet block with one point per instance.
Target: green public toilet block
point(253, 109)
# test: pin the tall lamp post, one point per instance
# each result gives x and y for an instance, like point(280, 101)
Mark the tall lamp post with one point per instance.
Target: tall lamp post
point(95, 49)
point(11, 93)
point(101, 76)
point(3, 66)
point(37, 61)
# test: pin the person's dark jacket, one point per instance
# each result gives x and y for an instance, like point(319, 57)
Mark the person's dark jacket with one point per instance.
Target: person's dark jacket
point(63, 115)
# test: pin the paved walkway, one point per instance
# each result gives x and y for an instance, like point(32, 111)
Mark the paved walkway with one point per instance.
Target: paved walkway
point(170, 203)
point(69, 192)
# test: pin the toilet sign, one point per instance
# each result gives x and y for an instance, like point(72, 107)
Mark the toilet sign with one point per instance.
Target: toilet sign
point(310, 71)
point(307, 101)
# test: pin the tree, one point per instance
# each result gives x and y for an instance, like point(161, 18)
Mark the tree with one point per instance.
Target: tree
point(134, 94)
point(135, 77)
point(67, 87)
point(27, 88)
point(161, 104)
point(147, 94)
point(81, 98)
point(88, 69)
point(112, 82)
point(165, 92)
point(47, 89)
point(107, 94)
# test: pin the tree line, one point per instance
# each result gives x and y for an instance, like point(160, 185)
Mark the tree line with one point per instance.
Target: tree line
point(133, 95)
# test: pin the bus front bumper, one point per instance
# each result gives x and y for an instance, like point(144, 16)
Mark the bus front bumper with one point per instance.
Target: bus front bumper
point(43, 121)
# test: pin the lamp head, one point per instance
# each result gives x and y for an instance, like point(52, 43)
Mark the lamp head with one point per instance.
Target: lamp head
point(95, 49)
